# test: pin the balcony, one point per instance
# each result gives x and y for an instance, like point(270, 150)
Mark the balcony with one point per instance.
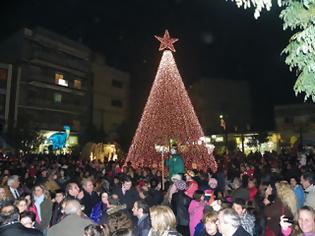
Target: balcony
point(59, 59)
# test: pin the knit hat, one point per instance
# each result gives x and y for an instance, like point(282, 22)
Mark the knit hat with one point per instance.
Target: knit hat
point(176, 177)
point(180, 185)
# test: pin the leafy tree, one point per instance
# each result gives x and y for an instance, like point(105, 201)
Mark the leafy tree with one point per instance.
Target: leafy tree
point(298, 16)
point(24, 138)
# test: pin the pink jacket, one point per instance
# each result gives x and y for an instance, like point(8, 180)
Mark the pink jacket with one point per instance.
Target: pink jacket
point(192, 187)
point(195, 211)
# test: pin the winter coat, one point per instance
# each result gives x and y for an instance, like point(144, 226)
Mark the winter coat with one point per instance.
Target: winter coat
point(99, 212)
point(143, 226)
point(180, 203)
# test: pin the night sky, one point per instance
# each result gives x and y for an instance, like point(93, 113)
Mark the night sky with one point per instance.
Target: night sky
point(216, 40)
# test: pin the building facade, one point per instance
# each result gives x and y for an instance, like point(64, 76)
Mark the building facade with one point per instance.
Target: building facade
point(222, 105)
point(50, 83)
point(111, 97)
point(296, 123)
point(5, 94)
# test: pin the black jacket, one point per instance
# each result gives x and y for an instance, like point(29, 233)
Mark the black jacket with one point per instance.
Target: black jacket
point(180, 203)
point(241, 232)
point(17, 229)
point(89, 201)
point(204, 233)
point(157, 196)
point(143, 226)
point(128, 198)
point(56, 213)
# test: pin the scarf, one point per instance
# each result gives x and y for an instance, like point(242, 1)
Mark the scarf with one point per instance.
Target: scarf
point(37, 202)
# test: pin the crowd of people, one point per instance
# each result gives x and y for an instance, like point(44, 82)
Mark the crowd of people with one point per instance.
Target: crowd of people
point(271, 195)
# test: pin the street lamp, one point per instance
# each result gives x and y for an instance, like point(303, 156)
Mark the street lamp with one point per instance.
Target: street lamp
point(223, 125)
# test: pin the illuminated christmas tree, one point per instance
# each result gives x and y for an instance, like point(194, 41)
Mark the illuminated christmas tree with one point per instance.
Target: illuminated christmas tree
point(169, 114)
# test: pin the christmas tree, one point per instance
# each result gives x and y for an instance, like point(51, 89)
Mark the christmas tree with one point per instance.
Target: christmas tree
point(169, 115)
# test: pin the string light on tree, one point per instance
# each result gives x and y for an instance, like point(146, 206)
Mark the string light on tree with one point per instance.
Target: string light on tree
point(169, 114)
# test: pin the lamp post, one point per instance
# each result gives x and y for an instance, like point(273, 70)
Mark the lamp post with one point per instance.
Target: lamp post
point(223, 125)
point(162, 149)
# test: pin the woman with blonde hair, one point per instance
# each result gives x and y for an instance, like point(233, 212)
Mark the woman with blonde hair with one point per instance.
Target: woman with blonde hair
point(287, 196)
point(284, 203)
point(210, 227)
point(163, 221)
point(306, 222)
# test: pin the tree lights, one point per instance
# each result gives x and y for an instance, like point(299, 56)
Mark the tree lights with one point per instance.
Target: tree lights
point(169, 114)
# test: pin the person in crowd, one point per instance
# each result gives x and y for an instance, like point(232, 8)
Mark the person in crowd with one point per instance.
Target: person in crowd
point(119, 221)
point(155, 192)
point(306, 222)
point(13, 185)
point(41, 206)
point(284, 203)
point(99, 211)
point(163, 221)
point(57, 207)
point(62, 179)
point(195, 210)
point(209, 222)
point(28, 219)
point(28, 198)
point(96, 230)
point(229, 223)
point(73, 191)
point(42, 177)
point(247, 219)
point(220, 176)
point(73, 223)
point(180, 203)
point(51, 183)
point(308, 183)
point(252, 188)
point(192, 184)
point(141, 211)
point(90, 197)
point(126, 193)
point(3, 196)
point(172, 188)
point(21, 204)
point(175, 163)
point(10, 225)
point(239, 190)
point(298, 191)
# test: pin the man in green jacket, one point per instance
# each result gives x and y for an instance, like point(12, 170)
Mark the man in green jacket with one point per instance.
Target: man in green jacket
point(175, 163)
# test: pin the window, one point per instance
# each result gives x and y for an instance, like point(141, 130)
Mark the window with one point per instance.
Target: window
point(2, 104)
point(117, 103)
point(77, 84)
point(117, 84)
point(57, 97)
point(60, 81)
point(3, 74)
point(288, 120)
point(3, 78)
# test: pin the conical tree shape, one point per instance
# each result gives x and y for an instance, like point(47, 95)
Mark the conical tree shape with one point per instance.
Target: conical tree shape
point(168, 114)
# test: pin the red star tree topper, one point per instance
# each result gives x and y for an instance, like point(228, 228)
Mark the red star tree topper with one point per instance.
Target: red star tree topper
point(169, 114)
point(166, 42)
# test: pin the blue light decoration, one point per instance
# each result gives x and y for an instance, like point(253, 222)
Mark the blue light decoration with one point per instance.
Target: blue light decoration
point(58, 140)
